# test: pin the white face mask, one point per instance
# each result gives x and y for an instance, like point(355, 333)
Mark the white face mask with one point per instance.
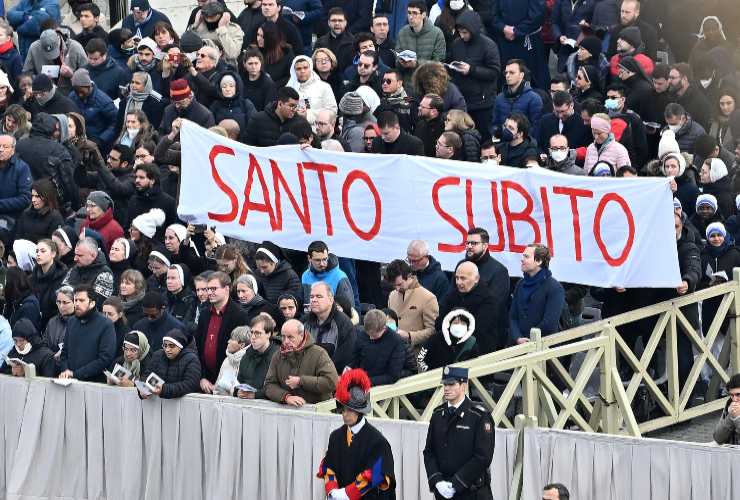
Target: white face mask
point(558, 156)
point(457, 4)
point(132, 132)
point(674, 128)
point(490, 162)
point(458, 330)
point(26, 349)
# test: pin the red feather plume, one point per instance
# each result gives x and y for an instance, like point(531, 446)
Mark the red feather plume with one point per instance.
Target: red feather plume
point(356, 376)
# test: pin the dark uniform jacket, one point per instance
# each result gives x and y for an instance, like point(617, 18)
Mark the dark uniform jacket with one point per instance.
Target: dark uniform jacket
point(459, 449)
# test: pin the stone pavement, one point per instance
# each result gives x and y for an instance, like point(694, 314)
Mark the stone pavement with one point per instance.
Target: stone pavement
point(698, 430)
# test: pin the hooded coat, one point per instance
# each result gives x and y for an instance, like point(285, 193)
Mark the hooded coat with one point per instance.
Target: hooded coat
point(481, 53)
point(333, 276)
point(40, 356)
point(312, 363)
point(238, 107)
point(315, 93)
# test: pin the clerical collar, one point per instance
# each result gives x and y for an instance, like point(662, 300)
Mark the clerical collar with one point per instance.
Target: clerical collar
point(358, 426)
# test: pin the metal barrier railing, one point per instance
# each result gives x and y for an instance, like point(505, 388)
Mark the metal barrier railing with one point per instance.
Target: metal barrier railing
point(550, 393)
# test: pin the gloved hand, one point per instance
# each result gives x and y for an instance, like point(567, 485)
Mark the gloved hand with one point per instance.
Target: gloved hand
point(445, 489)
point(338, 494)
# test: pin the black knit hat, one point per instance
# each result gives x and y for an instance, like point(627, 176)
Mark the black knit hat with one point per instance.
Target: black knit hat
point(592, 44)
point(631, 35)
point(190, 41)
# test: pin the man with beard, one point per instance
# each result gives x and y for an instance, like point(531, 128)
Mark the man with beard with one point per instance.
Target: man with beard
point(90, 344)
point(184, 105)
point(629, 16)
point(687, 95)
point(150, 195)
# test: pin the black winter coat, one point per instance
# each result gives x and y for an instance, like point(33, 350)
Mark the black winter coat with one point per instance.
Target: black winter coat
point(480, 84)
point(238, 107)
point(336, 335)
point(196, 112)
point(40, 356)
point(429, 131)
point(109, 77)
point(484, 307)
point(143, 201)
point(266, 127)
point(59, 104)
point(181, 375)
point(382, 359)
point(406, 144)
point(261, 92)
point(156, 330)
point(89, 348)
point(45, 286)
point(153, 107)
point(182, 307)
point(471, 145)
point(28, 308)
point(233, 316)
point(282, 280)
point(34, 225)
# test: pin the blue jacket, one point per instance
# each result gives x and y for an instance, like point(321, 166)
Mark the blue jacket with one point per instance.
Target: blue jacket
point(332, 276)
point(12, 64)
point(565, 17)
point(312, 9)
point(525, 101)
point(382, 359)
point(434, 279)
point(27, 16)
point(525, 16)
point(145, 29)
point(109, 77)
point(89, 347)
point(100, 115)
point(15, 187)
point(542, 310)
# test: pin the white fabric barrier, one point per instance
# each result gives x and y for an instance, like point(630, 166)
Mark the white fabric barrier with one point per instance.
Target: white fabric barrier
point(603, 467)
point(602, 231)
point(91, 441)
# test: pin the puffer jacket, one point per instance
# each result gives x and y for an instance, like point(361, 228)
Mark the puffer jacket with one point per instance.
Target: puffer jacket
point(480, 84)
point(100, 115)
point(282, 280)
point(237, 108)
point(316, 93)
point(259, 305)
point(471, 145)
point(181, 375)
point(312, 364)
point(253, 368)
point(98, 275)
point(524, 100)
point(45, 286)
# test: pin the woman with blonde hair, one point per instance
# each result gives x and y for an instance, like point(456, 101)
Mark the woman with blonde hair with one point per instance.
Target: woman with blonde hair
point(462, 123)
point(325, 65)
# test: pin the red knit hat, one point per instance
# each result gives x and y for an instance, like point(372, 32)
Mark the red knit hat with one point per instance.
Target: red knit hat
point(179, 90)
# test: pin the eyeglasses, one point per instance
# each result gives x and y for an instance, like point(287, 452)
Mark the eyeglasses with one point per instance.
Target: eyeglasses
point(141, 156)
point(113, 158)
point(321, 124)
point(322, 61)
point(473, 243)
point(202, 54)
point(133, 349)
point(561, 148)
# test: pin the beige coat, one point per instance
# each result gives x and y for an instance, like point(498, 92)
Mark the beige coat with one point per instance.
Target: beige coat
point(417, 310)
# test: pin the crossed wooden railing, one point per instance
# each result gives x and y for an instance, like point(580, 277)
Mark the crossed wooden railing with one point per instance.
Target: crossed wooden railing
point(537, 384)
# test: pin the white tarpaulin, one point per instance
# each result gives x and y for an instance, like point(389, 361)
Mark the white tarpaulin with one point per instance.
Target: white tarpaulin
point(602, 231)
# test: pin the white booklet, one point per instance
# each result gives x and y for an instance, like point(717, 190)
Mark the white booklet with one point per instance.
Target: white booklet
point(153, 381)
point(117, 374)
point(50, 70)
point(143, 388)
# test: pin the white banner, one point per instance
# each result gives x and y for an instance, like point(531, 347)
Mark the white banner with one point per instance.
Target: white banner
point(602, 231)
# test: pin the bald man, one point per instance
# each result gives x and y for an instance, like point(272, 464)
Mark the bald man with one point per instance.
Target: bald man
point(316, 377)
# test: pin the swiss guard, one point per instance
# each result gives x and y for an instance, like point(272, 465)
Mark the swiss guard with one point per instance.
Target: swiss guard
point(460, 442)
point(359, 461)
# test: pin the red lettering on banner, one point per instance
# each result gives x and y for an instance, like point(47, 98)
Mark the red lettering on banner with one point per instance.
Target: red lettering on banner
point(523, 216)
point(265, 207)
point(573, 194)
point(277, 181)
point(548, 220)
point(498, 247)
point(320, 168)
point(614, 262)
point(447, 247)
point(353, 176)
point(469, 203)
point(228, 217)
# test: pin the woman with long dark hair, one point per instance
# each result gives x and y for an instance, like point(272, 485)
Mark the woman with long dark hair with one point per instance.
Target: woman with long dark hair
point(137, 129)
point(20, 302)
point(40, 219)
point(278, 54)
point(46, 278)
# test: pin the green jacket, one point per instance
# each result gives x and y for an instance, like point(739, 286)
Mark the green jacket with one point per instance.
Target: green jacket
point(253, 368)
point(428, 43)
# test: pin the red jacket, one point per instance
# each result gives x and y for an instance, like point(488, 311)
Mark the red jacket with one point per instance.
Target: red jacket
point(108, 228)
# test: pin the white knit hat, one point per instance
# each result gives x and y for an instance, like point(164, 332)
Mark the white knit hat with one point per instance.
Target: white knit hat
point(148, 222)
point(717, 169)
point(667, 144)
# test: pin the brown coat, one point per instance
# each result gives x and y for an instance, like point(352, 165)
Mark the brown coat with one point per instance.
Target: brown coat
point(417, 310)
point(312, 364)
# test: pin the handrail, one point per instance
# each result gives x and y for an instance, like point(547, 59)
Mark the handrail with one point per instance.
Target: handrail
point(556, 398)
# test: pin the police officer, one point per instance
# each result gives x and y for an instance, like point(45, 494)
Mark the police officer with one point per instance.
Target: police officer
point(460, 441)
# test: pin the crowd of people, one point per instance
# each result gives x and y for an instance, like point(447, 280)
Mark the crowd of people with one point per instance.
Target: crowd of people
point(101, 272)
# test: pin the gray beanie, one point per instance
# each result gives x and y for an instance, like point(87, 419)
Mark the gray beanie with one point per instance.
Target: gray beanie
point(351, 104)
point(101, 199)
point(81, 78)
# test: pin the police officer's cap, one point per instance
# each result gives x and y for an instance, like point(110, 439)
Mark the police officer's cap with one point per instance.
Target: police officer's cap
point(452, 374)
